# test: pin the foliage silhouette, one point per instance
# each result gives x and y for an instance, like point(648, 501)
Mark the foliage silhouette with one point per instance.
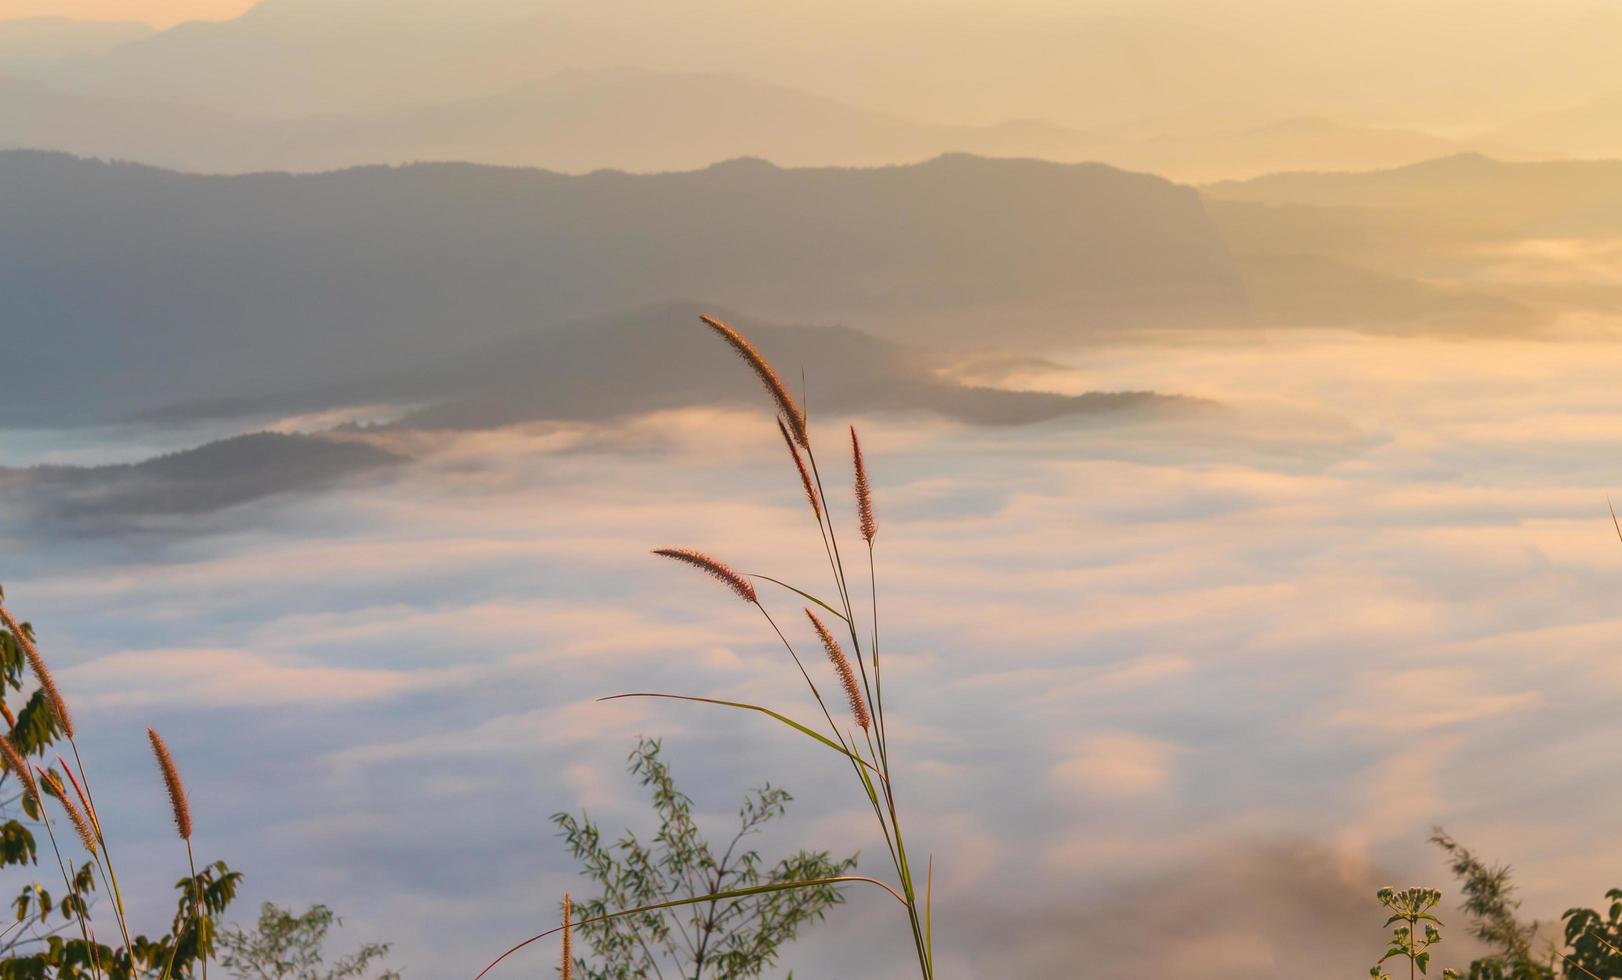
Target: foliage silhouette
point(726, 939)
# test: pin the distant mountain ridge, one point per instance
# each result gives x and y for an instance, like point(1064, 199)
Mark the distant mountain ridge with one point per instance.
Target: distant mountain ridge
point(226, 473)
point(1560, 196)
point(30, 43)
point(1590, 129)
point(1087, 66)
point(655, 359)
point(661, 357)
point(1464, 242)
point(128, 288)
point(641, 121)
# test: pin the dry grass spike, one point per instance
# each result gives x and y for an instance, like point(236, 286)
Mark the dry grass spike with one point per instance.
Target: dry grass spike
point(568, 940)
point(799, 464)
point(719, 570)
point(171, 782)
point(847, 676)
point(864, 492)
point(19, 766)
point(84, 798)
point(768, 377)
point(53, 785)
point(41, 673)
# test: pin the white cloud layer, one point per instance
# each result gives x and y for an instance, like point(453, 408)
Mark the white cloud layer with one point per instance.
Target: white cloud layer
point(1381, 597)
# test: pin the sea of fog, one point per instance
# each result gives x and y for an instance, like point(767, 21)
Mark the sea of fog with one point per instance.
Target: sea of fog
point(1169, 698)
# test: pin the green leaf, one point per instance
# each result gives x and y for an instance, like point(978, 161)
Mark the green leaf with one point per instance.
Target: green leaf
point(753, 707)
point(804, 595)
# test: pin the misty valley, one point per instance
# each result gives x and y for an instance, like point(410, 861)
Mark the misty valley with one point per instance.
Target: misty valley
point(1235, 387)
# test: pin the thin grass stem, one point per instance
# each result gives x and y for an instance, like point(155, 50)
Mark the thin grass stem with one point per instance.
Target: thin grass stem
point(118, 897)
point(716, 896)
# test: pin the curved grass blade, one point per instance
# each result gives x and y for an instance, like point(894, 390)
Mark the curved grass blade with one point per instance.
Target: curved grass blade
point(929, 911)
point(804, 595)
point(790, 722)
point(712, 897)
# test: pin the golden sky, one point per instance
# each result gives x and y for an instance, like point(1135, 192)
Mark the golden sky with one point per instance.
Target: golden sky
point(158, 13)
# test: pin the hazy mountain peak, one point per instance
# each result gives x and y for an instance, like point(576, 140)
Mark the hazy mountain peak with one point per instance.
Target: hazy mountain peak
point(316, 273)
point(34, 42)
point(1468, 161)
point(739, 166)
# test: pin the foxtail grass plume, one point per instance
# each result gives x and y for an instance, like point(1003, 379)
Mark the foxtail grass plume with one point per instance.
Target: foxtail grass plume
point(799, 464)
point(171, 782)
point(768, 377)
point(53, 785)
point(864, 493)
point(19, 767)
point(568, 941)
point(42, 673)
point(719, 570)
point(84, 798)
point(5, 712)
point(847, 677)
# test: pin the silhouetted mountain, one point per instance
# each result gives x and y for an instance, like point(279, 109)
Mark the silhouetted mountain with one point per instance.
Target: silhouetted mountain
point(208, 478)
point(662, 357)
point(1449, 244)
point(127, 288)
point(1301, 143)
point(1560, 197)
point(32, 43)
point(1308, 290)
point(1084, 65)
point(575, 121)
point(293, 57)
point(642, 121)
point(1592, 129)
point(665, 358)
point(33, 116)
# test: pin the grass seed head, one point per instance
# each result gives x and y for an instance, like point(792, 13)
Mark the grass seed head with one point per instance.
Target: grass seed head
point(799, 464)
point(19, 767)
point(768, 377)
point(84, 798)
point(568, 941)
point(53, 785)
point(847, 677)
point(719, 570)
point(864, 492)
point(59, 707)
point(172, 783)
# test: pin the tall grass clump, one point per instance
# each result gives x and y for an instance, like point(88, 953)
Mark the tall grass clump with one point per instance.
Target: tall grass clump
point(859, 734)
point(190, 939)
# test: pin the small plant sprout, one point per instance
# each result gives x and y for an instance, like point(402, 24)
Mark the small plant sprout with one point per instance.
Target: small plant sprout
point(1411, 908)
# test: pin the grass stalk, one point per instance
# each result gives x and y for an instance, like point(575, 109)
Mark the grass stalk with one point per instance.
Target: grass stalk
point(777, 886)
point(112, 875)
point(866, 697)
